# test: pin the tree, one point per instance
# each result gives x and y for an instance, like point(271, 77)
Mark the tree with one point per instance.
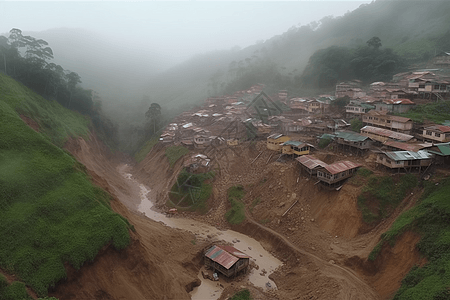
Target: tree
point(153, 114)
point(374, 42)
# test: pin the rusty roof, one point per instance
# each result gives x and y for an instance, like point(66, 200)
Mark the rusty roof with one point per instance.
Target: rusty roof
point(386, 133)
point(226, 256)
point(440, 128)
point(310, 161)
point(406, 147)
point(341, 166)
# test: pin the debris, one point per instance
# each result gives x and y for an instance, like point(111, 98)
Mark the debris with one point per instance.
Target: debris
point(332, 262)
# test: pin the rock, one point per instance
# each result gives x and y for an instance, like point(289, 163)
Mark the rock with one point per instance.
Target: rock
point(313, 248)
point(332, 262)
point(281, 204)
point(249, 248)
point(209, 236)
point(302, 218)
point(260, 255)
point(312, 220)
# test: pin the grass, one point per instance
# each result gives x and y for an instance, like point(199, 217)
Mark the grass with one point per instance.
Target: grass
point(242, 295)
point(324, 142)
point(436, 112)
point(50, 213)
point(174, 153)
point(381, 195)
point(191, 191)
point(139, 156)
point(56, 122)
point(236, 214)
point(430, 218)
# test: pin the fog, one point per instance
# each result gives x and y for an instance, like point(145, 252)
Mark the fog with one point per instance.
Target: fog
point(135, 53)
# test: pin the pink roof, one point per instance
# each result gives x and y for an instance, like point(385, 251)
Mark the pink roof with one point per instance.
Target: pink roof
point(226, 256)
point(341, 166)
point(441, 128)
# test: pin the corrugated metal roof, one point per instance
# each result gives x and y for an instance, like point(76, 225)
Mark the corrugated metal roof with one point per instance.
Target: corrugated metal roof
point(275, 136)
point(440, 128)
point(350, 136)
point(387, 133)
point(341, 166)
point(310, 161)
point(226, 256)
point(408, 155)
point(293, 143)
point(405, 146)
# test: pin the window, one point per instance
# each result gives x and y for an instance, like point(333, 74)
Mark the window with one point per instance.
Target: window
point(421, 86)
point(428, 132)
point(437, 134)
point(388, 121)
point(436, 86)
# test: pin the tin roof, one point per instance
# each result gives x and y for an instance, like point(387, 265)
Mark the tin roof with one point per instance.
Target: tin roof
point(444, 149)
point(387, 133)
point(310, 161)
point(341, 166)
point(408, 155)
point(440, 128)
point(275, 136)
point(407, 147)
point(293, 143)
point(226, 256)
point(350, 136)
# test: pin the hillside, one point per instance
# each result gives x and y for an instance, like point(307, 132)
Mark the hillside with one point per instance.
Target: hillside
point(415, 30)
point(57, 226)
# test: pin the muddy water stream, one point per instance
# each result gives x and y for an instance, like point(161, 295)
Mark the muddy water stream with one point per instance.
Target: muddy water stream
point(213, 289)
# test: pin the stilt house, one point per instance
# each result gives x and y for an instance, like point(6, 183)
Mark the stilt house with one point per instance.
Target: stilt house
point(406, 160)
point(333, 175)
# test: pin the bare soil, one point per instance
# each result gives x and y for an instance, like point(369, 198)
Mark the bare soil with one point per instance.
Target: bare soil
point(319, 239)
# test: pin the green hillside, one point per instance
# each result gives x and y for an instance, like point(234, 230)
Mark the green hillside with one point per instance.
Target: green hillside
point(50, 212)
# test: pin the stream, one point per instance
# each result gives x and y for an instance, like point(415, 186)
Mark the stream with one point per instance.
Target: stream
point(212, 289)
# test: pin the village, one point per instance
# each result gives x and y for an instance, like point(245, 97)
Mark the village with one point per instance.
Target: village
point(294, 127)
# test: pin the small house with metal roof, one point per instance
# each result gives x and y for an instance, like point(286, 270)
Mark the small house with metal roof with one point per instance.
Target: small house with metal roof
point(333, 175)
point(352, 140)
point(275, 140)
point(295, 148)
point(226, 259)
point(310, 164)
point(407, 160)
point(437, 133)
point(394, 123)
point(441, 152)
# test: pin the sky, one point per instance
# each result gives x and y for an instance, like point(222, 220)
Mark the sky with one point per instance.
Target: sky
point(173, 29)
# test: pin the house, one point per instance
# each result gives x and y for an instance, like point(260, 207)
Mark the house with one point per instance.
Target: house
point(436, 133)
point(295, 148)
point(202, 141)
point(226, 259)
point(356, 109)
point(352, 140)
point(441, 152)
point(197, 163)
point(382, 135)
point(399, 106)
point(333, 175)
point(399, 146)
point(314, 106)
point(407, 160)
point(350, 89)
point(381, 119)
point(310, 164)
point(275, 140)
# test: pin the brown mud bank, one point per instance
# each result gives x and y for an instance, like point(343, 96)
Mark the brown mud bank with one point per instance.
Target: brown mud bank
point(158, 262)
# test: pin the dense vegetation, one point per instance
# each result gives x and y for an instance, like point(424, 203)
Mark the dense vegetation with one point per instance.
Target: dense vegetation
point(50, 212)
point(430, 219)
point(436, 112)
point(236, 214)
point(26, 59)
point(381, 194)
point(191, 191)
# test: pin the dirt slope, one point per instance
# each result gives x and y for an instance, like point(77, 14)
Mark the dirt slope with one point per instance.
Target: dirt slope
point(158, 263)
point(318, 239)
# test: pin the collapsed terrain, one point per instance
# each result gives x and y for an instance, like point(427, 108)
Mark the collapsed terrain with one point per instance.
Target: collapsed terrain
point(322, 241)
